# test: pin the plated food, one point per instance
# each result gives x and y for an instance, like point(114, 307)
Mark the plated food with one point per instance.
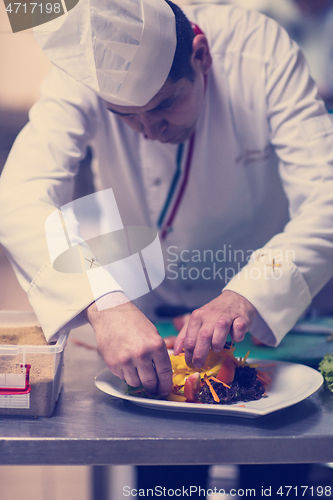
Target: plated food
point(223, 379)
point(291, 384)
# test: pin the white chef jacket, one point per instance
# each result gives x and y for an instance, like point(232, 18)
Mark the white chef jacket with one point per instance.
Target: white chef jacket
point(261, 178)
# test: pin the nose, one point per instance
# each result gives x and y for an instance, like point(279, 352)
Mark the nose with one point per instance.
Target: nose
point(154, 127)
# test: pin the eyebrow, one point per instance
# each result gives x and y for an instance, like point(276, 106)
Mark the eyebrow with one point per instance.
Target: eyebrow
point(165, 103)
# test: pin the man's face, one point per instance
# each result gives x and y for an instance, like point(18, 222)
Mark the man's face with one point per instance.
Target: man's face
point(171, 115)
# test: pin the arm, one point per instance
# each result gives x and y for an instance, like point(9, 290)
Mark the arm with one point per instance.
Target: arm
point(37, 178)
point(283, 276)
point(296, 263)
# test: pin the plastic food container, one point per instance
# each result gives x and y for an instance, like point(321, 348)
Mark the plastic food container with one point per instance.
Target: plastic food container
point(30, 368)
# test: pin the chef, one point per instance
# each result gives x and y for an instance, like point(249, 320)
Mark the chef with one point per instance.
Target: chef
point(206, 127)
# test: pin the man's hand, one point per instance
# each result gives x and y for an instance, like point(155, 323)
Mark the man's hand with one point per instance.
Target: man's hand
point(131, 347)
point(209, 326)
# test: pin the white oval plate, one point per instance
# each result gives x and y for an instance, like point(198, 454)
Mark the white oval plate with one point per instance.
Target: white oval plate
point(292, 382)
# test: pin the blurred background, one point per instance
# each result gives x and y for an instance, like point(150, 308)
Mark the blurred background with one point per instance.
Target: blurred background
point(23, 66)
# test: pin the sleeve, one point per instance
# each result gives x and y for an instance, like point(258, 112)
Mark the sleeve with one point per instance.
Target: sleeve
point(282, 278)
point(37, 179)
point(327, 56)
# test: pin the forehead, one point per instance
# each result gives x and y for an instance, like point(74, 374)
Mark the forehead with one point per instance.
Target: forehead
point(169, 91)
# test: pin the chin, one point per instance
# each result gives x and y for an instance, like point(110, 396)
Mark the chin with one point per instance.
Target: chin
point(181, 137)
point(176, 140)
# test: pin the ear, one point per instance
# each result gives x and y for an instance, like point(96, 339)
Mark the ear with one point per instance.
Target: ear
point(201, 59)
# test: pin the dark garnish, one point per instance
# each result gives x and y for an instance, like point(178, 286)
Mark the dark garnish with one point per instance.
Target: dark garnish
point(245, 387)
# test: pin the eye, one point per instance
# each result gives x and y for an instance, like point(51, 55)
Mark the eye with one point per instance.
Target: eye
point(165, 105)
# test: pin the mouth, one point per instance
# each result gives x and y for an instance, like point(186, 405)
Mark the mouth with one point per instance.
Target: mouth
point(163, 140)
point(175, 139)
point(171, 140)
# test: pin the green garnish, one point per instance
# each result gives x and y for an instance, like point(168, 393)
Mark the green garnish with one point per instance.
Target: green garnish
point(141, 392)
point(326, 369)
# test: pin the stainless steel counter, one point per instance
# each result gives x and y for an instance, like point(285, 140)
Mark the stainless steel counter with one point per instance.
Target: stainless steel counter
point(89, 427)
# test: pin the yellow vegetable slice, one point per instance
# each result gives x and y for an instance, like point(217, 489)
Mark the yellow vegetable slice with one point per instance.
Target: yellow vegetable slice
point(176, 397)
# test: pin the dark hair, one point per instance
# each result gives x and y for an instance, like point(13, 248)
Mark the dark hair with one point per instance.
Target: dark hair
point(181, 66)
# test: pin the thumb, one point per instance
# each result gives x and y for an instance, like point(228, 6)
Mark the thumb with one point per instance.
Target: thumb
point(179, 343)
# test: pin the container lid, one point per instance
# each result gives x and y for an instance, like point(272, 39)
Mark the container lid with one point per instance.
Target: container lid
point(17, 319)
point(12, 319)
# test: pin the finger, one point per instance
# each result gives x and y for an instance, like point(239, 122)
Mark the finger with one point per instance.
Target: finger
point(192, 332)
point(203, 345)
point(131, 376)
point(118, 373)
point(179, 342)
point(148, 376)
point(163, 370)
point(239, 328)
point(221, 331)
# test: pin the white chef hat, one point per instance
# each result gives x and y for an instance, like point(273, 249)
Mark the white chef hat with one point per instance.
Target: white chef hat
point(121, 49)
